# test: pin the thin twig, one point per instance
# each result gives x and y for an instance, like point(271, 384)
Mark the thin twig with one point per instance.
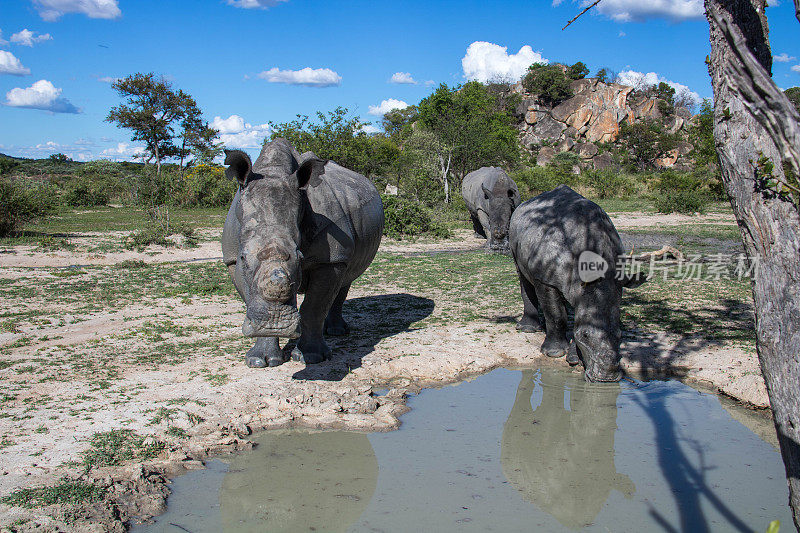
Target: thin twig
point(585, 10)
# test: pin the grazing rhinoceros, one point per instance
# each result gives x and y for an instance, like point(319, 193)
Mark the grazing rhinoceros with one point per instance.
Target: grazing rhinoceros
point(567, 251)
point(297, 224)
point(491, 196)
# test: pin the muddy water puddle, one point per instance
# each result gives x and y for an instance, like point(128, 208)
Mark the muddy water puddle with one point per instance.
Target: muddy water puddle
point(533, 450)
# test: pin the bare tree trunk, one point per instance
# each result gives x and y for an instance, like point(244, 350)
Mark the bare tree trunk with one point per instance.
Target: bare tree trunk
point(754, 123)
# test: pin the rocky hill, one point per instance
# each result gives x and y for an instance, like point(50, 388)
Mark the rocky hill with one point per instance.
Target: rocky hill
point(588, 123)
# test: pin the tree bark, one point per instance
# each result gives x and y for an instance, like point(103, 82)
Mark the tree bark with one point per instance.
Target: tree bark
point(754, 121)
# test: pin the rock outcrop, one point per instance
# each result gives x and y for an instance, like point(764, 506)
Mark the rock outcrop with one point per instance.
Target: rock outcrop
point(592, 116)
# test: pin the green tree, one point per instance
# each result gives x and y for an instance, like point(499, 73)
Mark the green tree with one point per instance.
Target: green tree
point(335, 135)
point(577, 71)
point(548, 82)
point(152, 111)
point(474, 128)
point(197, 137)
point(646, 142)
point(397, 123)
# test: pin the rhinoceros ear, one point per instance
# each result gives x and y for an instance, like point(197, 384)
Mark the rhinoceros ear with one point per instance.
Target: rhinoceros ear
point(309, 171)
point(486, 192)
point(239, 166)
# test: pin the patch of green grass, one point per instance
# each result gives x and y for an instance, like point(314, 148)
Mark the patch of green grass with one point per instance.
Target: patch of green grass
point(111, 448)
point(65, 492)
point(103, 219)
point(174, 431)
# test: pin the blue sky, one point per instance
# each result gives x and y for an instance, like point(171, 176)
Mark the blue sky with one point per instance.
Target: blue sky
point(249, 62)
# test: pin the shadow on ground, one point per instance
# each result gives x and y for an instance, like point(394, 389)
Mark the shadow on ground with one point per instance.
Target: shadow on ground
point(371, 319)
point(729, 322)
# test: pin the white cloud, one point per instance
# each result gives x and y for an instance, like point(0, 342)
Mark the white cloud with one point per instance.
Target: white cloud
point(640, 80)
point(27, 37)
point(320, 77)
point(370, 129)
point(9, 64)
point(124, 152)
point(637, 10)
point(386, 106)
point(234, 132)
point(51, 10)
point(3, 42)
point(108, 79)
point(796, 68)
point(430, 82)
point(783, 58)
point(402, 77)
point(490, 62)
point(41, 95)
point(255, 4)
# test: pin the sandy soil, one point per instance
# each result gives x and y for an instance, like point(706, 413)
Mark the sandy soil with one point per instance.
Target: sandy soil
point(48, 424)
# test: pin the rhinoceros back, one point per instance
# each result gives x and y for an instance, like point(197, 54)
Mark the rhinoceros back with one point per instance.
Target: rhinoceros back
point(549, 232)
point(346, 220)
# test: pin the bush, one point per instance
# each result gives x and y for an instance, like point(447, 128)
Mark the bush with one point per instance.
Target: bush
point(549, 82)
point(681, 192)
point(207, 186)
point(609, 184)
point(405, 217)
point(536, 180)
point(577, 71)
point(22, 201)
point(84, 193)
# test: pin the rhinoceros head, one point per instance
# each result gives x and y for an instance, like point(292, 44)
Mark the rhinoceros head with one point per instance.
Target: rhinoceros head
point(501, 201)
point(270, 210)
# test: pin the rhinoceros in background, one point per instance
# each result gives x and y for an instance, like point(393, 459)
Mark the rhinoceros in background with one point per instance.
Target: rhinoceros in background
point(297, 224)
point(567, 251)
point(491, 196)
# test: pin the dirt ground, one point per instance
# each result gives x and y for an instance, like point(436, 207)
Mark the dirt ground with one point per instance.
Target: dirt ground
point(71, 371)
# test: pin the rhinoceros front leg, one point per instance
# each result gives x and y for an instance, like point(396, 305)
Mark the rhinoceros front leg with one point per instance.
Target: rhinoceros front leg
point(322, 289)
point(476, 226)
point(555, 317)
point(335, 324)
point(265, 352)
point(530, 321)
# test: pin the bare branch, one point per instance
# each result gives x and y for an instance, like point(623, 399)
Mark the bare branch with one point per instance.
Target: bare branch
point(762, 98)
point(797, 9)
point(597, 2)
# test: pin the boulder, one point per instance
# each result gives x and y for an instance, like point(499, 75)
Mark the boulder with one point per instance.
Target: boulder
point(530, 117)
point(548, 128)
point(564, 145)
point(684, 148)
point(668, 161)
point(673, 123)
point(563, 111)
point(647, 109)
point(582, 85)
point(524, 105)
point(604, 129)
point(683, 112)
point(586, 150)
point(604, 161)
point(545, 155)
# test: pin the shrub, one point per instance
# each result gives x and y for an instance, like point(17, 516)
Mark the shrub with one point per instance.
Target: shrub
point(207, 186)
point(22, 201)
point(681, 192)
point(405, 217)
point(83, 193)
point(536, 180)
point(549, 82)
point(577, 71)
point(7, 165)
point(609, 184)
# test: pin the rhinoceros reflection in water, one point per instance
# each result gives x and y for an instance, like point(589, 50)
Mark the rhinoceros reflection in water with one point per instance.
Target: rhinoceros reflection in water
point(563, 460)
point(299, 481)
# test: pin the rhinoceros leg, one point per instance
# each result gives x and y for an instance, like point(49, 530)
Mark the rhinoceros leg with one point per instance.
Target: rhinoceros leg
point(334, 323)
point(530, 321)
point(265, 352)
point(476, 226)
point(555, 317)
point(323, 287)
